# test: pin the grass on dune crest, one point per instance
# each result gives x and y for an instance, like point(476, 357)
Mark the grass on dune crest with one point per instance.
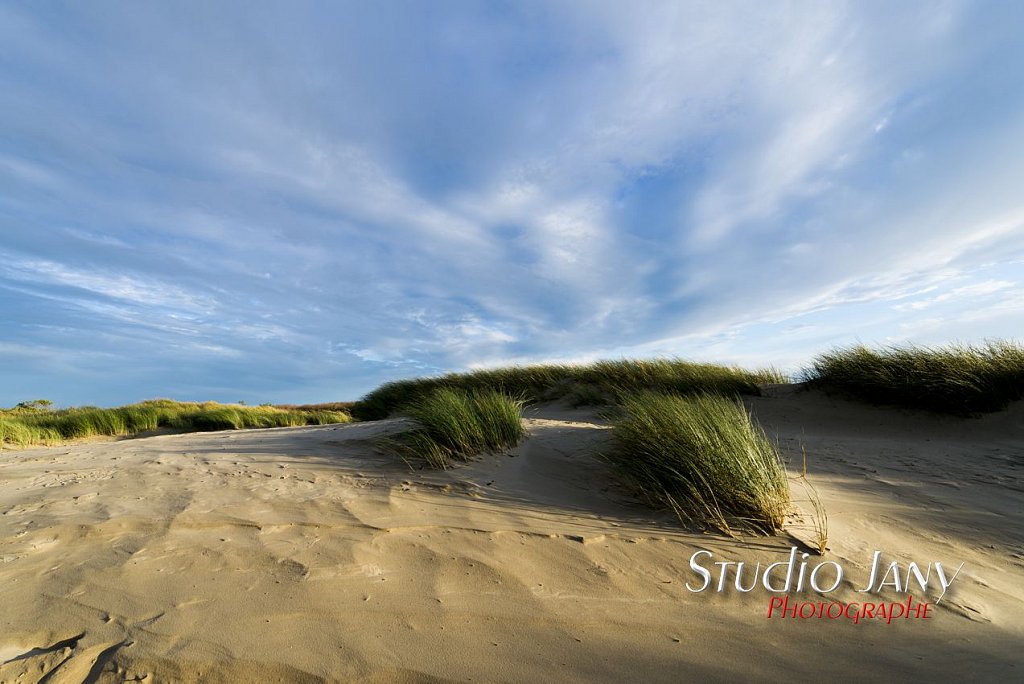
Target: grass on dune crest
point(955, 379)
point(455, 425)
point(590, 384)
point(338, 406)
point(24, 426)
point(703, 458)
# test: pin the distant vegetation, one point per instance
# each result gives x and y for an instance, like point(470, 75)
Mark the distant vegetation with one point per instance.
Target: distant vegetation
point(680, 435)
point(957, 379)
point(454, 425)
point(703, 458)
point(35, 423)
point(337, 406)
point(591, 384)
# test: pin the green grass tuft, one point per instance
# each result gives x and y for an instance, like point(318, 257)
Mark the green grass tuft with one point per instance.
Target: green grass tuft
point(594, 383)
point(23, 426)
point(455, 425)
point(956, 379)
point(703, 458)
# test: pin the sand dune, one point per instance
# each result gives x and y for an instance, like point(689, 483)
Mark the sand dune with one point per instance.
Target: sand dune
point(303, 554)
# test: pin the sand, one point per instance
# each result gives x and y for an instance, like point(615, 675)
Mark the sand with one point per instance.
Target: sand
point(304, 554)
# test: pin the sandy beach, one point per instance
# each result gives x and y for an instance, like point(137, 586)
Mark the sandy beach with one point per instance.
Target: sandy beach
point(306, 554)
point(525, 342)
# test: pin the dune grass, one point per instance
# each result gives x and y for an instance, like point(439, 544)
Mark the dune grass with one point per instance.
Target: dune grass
point(702, 457)
point(16, 432)
point(338, 406)
point(455, 425)
point(595, 383)
point(955, 379)
point(818, 514)
point(24, 426)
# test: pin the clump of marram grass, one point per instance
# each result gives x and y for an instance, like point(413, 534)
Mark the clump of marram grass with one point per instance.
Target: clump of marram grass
point(17, 432)
point(819, 517)
point(455, 425)
point(585, 384)
point(336, 406)
point(580, 394)
point(23, 426)
point(242, 417)
point(818, 514)
point(703, 458)
point(956, 379)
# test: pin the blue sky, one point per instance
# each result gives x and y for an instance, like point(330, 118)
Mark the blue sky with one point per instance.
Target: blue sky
point(298, 201)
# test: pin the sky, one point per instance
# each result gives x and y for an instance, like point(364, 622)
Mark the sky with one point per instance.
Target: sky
point(296, 202)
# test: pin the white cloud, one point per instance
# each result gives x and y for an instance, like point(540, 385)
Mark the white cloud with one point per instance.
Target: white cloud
point(138, 290)
point(570, 181)
point(960, 294)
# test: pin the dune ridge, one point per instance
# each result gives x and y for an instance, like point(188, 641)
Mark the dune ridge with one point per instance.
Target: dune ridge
point(306, 554)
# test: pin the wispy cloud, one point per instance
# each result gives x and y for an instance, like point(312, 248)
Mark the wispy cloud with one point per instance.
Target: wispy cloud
point(149, 293)
point(293, 205)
